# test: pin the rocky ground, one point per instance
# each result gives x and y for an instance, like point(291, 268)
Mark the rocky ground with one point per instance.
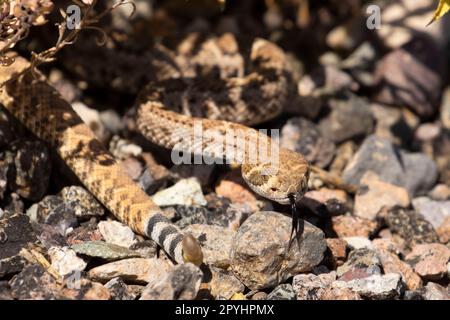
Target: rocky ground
point(373, 107)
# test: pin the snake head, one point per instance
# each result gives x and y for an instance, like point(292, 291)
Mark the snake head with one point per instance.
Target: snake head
point(283, 181)
point(192, 252)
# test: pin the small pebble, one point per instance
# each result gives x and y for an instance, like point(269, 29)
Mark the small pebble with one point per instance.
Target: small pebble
point(187, 192)
point(117, 233)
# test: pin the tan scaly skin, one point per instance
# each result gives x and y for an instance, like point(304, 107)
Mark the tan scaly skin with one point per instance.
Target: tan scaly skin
point(217, 105)
point(41, 109)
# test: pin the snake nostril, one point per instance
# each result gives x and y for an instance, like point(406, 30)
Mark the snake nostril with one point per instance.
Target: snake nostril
point(273, 189)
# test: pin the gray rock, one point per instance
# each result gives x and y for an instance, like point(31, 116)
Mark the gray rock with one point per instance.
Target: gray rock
point(311, 286)
point(117, 233)
point(415, 172)
point(53, 210)
point(434, 212)
point(38, 212)
point(259, 257)
point(34, 283)
point(5, 292)
point(433, 291)
point(282, 292)
point(119, 290)
point(387, 286)
point(12, 265)
point(155, 176)
point(62, 218)
point(146, 248)
point(84, 204)
point(15, 233)
point(185, 192)
point(216, 243)
point(135, 270)
point(421, 172)
point(302, 136)
point(349, 118)
point(31, 167)
point(103, 250)
point(377, 155)
point(360, 263)
point(218, 211)
point(4, 168)
point(49, 236)
point(411, 226)
point(181, 283)
point(111, 120)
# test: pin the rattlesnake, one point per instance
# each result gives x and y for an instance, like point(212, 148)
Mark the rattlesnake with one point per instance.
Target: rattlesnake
point(250, 99)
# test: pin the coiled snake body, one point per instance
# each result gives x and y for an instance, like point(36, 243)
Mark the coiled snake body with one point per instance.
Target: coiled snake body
point(44, 112)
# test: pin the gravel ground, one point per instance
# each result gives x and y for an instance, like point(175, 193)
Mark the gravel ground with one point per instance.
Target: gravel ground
point(372, 106)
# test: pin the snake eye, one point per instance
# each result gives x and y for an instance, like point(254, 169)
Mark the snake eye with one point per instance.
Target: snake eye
point(273, 189)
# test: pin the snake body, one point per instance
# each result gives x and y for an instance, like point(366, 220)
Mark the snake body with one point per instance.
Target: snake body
point(38, 106)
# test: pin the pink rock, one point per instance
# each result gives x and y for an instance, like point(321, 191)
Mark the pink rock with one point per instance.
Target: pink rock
point(429, 260)
point(378, 195)
point(351, 226)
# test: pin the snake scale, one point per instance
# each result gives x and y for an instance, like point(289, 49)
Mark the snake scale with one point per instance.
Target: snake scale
point(36, 104)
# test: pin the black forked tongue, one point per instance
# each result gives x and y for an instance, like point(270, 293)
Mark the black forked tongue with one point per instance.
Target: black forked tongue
point(297, 224)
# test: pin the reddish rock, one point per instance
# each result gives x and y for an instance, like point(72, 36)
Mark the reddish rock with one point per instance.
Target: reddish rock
point(392, 264)
point(84, 234)
point(418, 59)
point(339, 294)
point(375, 194)
point(444, 231)
point(233, 187)
point(351, 226)
point(429, 260)
point(311, 286)
point(338, 250)
point(386, 244)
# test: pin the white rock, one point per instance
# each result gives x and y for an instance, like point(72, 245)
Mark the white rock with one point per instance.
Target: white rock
point(65, 260)
point(358, 243)
point(185, 192)
point(117, 233)
point(92, 118)
point(377, 286)
point(122, 149)
point(434, 212)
